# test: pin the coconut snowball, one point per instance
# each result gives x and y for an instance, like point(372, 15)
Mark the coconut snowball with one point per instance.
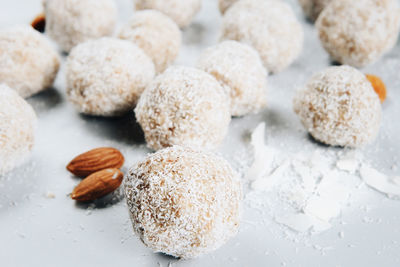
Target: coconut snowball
point(183, 202)
point(71, 22)
point(105, 77)
point(271, 27)
point(239, 70)
point(184, 106)
point(17, 129)
point(359, 32)
point(180, 11)
point(312, 8)
point(158, 36)
point(339, 107)
point(28, 62)
point(225, 4)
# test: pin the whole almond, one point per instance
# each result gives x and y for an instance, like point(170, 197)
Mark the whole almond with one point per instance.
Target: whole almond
point(96, 160)
point(97, 185)
point(39, 23)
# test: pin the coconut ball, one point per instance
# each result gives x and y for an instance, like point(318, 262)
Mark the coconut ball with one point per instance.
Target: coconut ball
point(158, 36)
point(71, 22)
point(28, 62)
point(239, 70)
point(181, 11)
point(225, 4)
point(183, 202)
point(312, 8)
point(184, 106)
point(17, 129)
point(271, 27)
point(339, 107)
point(105, 77)
point(358, 33)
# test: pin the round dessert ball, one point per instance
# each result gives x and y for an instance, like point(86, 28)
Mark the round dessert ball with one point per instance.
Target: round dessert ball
point(17, 129)
point(184, 106)
point(105, 77)
point(71, 22)
point(28, 62)
point(312, 8)
point(239, 70)
point(158, 36)
point(271, 27)
point(183, 202)
point(225, 4)
point(182, 12)
point(339, 107)
point(358, 33)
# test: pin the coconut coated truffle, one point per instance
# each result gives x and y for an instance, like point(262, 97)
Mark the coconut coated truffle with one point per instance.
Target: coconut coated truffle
point(339, 107)
point(71, 22)
point(105, 77)
point(312, 8)
point(271, 27)
point(158, 36)
point(239, 70)
point(182, 202)
point(180, 11)
point(358, 33)
point(17, 129)
point(28, 62)
point(184, 106)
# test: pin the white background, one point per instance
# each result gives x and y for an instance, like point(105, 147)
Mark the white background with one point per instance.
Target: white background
point(39, 231)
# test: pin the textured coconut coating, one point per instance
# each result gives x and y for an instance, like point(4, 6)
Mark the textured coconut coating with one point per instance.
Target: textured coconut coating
point(271, 27)
point(358, 33)
point(239, 70)
point(180, 11)
point(105, 77)
point(184, 106)
point(312, 8)
point(71, 22)
point(339, 107)
point(28, 62)
point(225, 4)
point(17, 129)
point(182, 202)
point(158, 36)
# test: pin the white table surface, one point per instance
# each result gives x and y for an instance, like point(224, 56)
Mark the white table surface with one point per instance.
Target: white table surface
point(39, 231)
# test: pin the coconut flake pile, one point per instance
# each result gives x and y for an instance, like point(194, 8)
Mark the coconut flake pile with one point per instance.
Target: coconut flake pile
point(307, 191)
point(183, 202)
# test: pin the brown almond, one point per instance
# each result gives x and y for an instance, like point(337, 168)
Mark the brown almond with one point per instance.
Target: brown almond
point(39, 23)
point(96, 160)
point(97, 185)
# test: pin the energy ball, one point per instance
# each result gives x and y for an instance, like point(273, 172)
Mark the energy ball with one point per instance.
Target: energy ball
point(180, 11)
point(71, 22)
point(271, 27)
point(105, 77)
point(184, 106)
point(358, 33)
point(17, 129)
point(239, 70)
point(183, 202)
point(225, 4)
point(312, 8)
point(158, 36)
point(28, 62)
point(339, 107)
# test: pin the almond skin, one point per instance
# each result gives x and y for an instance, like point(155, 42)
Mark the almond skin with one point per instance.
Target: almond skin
point(97, 185)
point(96, 160)
point(39, 23)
